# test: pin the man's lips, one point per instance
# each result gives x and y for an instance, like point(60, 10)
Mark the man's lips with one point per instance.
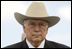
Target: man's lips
point(36, 35)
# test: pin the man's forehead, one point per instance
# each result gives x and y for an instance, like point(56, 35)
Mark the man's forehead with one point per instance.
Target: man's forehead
point(35, 20)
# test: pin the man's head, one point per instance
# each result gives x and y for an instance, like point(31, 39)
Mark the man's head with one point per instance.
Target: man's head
point(35, 30)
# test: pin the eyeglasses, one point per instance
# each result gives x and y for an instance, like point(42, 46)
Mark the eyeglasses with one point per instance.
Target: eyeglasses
point(40, 25)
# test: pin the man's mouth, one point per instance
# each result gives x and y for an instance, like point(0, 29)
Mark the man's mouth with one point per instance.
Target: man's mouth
point(36, 35)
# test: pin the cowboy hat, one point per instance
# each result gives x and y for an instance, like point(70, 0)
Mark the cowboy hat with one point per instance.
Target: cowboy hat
point(37, 10)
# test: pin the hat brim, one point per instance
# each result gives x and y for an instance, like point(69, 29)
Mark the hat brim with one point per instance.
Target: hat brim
point(52, 20)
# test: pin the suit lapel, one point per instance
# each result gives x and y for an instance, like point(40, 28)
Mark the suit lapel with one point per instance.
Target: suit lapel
point(24, 44)
point(48, 44)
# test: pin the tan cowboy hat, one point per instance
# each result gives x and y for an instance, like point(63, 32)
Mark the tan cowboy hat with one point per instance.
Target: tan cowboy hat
point(37, 10)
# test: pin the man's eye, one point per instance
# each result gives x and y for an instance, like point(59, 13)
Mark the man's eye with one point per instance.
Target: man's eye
point(41, 24)
point(31, 23)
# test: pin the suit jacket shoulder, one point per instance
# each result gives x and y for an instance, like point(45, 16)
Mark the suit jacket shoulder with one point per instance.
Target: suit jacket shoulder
point(16, 45)
point(56, 45)
point(21, 44)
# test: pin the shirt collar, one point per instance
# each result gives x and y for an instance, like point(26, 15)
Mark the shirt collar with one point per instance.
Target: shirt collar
point(31, 46)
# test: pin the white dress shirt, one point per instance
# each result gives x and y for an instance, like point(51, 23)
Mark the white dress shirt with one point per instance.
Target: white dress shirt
point(31, 46)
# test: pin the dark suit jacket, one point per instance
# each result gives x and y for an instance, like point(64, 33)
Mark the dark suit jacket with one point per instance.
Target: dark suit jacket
point(48, 44)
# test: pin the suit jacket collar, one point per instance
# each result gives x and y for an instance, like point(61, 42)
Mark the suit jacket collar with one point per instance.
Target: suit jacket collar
point(47, 44)
point(24, 44)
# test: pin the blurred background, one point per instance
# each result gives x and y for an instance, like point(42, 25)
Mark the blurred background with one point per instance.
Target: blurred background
point(11, 30)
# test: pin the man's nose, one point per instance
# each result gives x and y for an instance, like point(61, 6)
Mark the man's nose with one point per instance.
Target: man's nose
point(36, 28)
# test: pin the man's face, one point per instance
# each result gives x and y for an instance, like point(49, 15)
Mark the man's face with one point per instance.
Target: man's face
point(35, 30)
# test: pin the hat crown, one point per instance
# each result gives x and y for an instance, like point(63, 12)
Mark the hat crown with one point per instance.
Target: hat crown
point(36, 9)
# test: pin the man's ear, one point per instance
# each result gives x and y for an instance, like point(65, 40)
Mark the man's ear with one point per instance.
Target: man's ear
point(47, 29)
point(24, 28)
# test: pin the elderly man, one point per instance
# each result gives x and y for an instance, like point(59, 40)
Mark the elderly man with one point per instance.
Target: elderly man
point(36, 23)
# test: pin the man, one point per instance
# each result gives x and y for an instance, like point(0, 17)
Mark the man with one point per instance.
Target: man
point(36, 23)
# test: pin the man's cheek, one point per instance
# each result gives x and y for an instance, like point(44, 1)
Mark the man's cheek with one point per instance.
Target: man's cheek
point(43, 30)
point(29, 30)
